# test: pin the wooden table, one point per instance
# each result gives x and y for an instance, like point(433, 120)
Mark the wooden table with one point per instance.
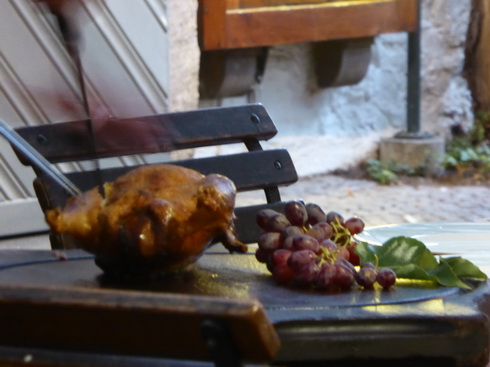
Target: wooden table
point(38, 293)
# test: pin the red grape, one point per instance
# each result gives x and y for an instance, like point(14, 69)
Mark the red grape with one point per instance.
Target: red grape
point(301, 258)
point(343, 253)
point(353, 255)
point(270, 241)
point(262, 255)
point(315, 214)
point(306, 275)
point(288, 243)
point(277, 259)
point(366, 277)
point(344, 278)
point(263, 217)
point(316, 233)
point(347, 264)
point(280, 256)
point(330, 245)
point(334, 217)
point(368, 264)
point(278, 223)
point(386, 277)
point(326, 274)
point(326, 228)
point(282, 274)
point(292, 231)
point(271, 221)
point(295, 212)
point(307, 248)
point(304, 242)
point(354, 225)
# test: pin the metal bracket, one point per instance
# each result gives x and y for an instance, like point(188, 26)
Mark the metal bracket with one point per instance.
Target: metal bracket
point(220, 344)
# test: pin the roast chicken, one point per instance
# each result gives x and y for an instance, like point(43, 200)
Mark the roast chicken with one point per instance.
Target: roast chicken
point(152, 220)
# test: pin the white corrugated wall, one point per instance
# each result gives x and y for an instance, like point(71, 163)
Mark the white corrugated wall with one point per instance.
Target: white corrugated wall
point(125, 55)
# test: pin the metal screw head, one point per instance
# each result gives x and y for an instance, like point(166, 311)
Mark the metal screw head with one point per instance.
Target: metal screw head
point(254, 118)
point(278, 165)
point(41, 139)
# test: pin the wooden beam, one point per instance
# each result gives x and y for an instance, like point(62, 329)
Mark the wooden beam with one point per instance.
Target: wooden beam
point(270, 25)
point(477, 63)
point(212, 23)
point(261, 3)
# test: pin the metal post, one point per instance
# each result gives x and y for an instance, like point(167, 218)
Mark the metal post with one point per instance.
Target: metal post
point(413, 82)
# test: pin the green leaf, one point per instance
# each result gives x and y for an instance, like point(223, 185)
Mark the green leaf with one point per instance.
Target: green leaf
point(441, 274)
point(412, 271)
point(445, 276)
point(367, 252)
point(464, 268)
point(411, 259)
point(398, 251)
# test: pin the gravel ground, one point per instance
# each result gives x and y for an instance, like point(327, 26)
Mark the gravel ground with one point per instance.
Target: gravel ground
point(421, 201)
point(413, 202)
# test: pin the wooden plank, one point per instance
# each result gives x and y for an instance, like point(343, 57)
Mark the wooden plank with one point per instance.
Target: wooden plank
point(241, 4)
point(249, 171)
point(255, 27)
point(80, 140)
point(441, 325)
point(130, 323)
point(212, 16)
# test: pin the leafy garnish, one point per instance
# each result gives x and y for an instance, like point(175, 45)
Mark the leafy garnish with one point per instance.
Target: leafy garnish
point(411, 259)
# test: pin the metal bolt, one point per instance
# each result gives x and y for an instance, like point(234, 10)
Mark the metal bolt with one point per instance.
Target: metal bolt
point(278, 165)
point(255, 119)
point(41, 139)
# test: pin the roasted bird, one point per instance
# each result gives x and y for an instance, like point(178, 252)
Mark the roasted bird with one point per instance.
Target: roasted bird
point(152, 220)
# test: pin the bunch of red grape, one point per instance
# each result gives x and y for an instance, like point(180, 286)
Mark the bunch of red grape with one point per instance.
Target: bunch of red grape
point(306, 247)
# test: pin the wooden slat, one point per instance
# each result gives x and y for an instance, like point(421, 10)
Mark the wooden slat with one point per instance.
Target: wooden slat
point(249, 171)
point(255, 27)
point(151, 134)
point(260, 170)
point(130, 323)
point(256, 170)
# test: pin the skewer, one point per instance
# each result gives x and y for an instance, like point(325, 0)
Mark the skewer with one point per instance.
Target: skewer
point(71, 38)
point(37, 160)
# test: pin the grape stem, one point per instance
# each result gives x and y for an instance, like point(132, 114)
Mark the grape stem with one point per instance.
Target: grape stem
point(342, 236)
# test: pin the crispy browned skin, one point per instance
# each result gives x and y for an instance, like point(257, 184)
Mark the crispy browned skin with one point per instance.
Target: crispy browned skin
point(161, 214)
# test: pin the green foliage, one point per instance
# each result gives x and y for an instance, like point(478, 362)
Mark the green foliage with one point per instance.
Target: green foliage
point(469, 154)
point(411, 259)
point(387, 174)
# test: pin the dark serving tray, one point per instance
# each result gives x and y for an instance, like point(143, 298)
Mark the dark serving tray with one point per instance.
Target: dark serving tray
point(405, 323)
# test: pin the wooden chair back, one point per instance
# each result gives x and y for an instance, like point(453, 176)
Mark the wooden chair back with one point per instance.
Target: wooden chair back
point(254, 169)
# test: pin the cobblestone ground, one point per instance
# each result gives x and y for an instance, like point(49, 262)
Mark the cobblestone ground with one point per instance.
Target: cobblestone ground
point(398, 204)
point(376, 204)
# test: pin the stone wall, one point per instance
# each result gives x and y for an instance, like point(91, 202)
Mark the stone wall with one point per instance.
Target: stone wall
point(446, 99)
point(328, 129)
point(184, 54)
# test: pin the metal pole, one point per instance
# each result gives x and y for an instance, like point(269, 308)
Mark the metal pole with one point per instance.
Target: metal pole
point(37, 160)
point(413, 82)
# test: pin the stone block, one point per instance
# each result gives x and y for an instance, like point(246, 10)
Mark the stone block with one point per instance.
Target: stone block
point(419, 153)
